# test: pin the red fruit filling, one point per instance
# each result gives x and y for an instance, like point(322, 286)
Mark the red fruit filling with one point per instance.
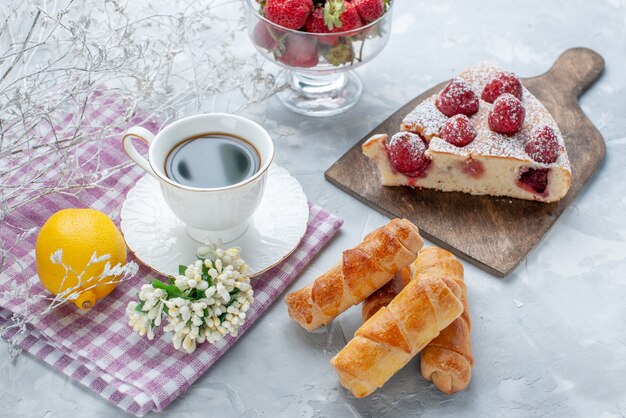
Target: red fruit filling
point(534, 179)
point(473, 168)
point(407, 154)
point(300, 51)
point(291, 14)
point(458, 131)
point(369, 10)
point(502, 82)
point(507, 115)
point(542, 145)
point(457, 98)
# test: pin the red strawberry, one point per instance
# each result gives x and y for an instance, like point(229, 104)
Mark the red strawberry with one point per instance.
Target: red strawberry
point(369, 10)
point(507, 115)
point(341, 16)
point(407, 154)
point(300, 51)
point(458, 131)
point(542, 145)
point(316, 24)
point(456, 98)
point(535, 178)
point(262, 36)
point(502, 82)
point(291, 14)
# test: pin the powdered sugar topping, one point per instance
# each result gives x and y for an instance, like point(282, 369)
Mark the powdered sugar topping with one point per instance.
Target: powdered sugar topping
point(507, 115)
point(542, 145)
point(458, 131)
point(457, 98)
point(502, 82)
point(427, 120)
point(407, 153)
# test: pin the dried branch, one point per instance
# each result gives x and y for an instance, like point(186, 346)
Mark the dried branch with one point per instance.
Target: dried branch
point(75, 74)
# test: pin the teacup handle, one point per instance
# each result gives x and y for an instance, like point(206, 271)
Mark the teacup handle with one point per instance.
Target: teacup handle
point(141, 133)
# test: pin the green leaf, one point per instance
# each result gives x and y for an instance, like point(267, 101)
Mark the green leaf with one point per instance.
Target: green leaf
point(139, 307)
point(171, 290)
point(195, 294)
point(234, 291)
point(333, 9)
point(208, 279)
point(182, 269)
point(222, 317)
point(205, 315)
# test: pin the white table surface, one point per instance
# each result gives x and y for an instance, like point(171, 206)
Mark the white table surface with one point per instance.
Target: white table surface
point(550, 339)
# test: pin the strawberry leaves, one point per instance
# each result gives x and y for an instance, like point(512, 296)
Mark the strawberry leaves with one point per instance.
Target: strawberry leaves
point(333, 9)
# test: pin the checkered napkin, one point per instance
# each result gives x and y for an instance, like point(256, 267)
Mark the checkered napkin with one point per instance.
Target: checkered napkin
point(98, 348)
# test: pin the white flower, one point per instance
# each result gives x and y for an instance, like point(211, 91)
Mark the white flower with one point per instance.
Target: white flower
point(185, 313)
point(177, 340)
point(201, 336)
point(149, 304)
point(139, 320)
point(203, 312)
point(233, 252)
point(210, 292)
point(204, 252)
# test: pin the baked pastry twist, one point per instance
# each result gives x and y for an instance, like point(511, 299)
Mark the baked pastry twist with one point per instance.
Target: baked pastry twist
point(396, 333)
point(362, 271)
point(447, 361)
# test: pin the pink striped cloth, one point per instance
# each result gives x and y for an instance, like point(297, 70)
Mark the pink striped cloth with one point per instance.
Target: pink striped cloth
point(98, 348)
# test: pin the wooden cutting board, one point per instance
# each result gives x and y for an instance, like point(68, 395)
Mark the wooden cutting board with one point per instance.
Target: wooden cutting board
point(493, 233)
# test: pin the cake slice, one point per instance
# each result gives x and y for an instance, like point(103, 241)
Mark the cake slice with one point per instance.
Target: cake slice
point(483, 134)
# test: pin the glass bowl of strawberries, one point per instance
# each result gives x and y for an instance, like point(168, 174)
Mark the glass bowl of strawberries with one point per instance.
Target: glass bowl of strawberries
point(320, 42)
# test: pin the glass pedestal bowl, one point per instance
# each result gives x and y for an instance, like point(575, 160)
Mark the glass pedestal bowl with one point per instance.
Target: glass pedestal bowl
point(320, 79)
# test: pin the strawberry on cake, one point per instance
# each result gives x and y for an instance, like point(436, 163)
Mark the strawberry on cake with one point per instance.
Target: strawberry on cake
point(484, 133)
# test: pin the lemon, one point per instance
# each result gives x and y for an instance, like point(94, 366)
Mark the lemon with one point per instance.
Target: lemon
point(79, 233)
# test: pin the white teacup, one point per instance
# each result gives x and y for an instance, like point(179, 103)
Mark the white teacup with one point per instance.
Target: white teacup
point(209, 213)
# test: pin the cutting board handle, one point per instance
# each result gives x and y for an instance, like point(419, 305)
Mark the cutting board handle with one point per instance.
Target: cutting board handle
point(575, 70)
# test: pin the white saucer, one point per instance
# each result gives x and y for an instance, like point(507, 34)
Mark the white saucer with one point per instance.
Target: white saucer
point(158, 238)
